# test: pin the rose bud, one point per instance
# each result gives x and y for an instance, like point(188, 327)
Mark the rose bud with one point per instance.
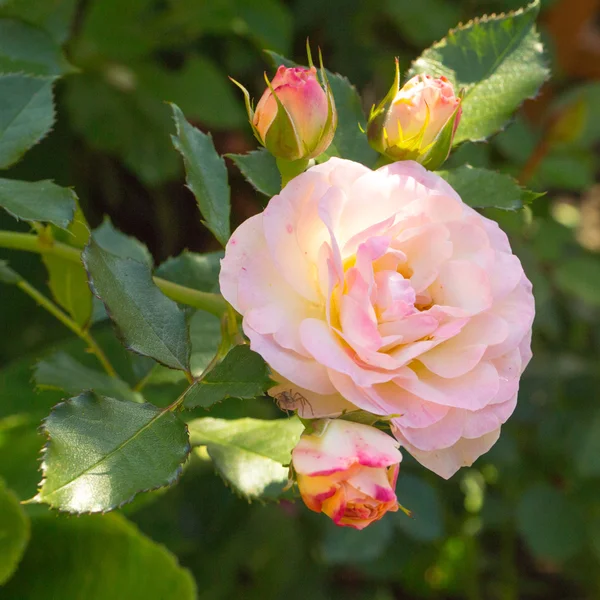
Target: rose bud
point(295, 118)
point(348, 471)
point(416, 122)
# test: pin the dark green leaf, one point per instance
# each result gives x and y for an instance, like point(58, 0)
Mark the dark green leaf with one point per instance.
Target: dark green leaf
point(425, 21)
point(101, 452)
point(193, 270)
point(38, 201)
point(482, 188)
point(249, 454)
point(418, 496)
point(349, 141)
point(580, 276)
point(199, 88)
point(587, 457)
point(344, 545)
point(67, 279)
point(63, 372)
point(115, 116)
point(149, 323)
point(497, 60)
point(54, 16)
point(260, 170)
point(27, 49)
point(7, 275)
point(241, 374)
point(550, 523)
point(26, 115)
point(116, 242)
point(206, 175)
point(14, 533)
point(96, 557)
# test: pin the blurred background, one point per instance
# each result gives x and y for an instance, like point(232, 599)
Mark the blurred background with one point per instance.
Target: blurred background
point(524, 522)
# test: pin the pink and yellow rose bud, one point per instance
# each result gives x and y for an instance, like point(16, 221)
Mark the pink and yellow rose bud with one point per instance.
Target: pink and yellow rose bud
point(295, 118)
point(416, 122)
point(348, 471)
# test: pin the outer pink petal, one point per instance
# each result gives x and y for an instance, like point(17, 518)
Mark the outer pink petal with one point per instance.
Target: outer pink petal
point(449, 460)
point(246, 240)
point(341, 445)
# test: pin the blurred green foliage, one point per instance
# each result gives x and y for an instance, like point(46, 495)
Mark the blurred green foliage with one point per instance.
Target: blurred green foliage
point(524, 522)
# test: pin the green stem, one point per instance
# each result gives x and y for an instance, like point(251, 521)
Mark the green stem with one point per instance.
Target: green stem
point(67, 322)
point(212, 303)
point(291, 168)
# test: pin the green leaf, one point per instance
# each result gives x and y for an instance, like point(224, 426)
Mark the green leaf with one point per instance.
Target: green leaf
point(349, 141)
point(26, 115)
point(422, 499)
point(114, 241)
point(187, 88)
point(61, 371)
point(27, 49)
point(206, 175)
point(249, 454)
point(67, 279)
point(38, 201)
point(587, 457)
point(101, 452)
point(149, 323)
point(422, 22)
point(7, 275)
point(241, 374)
point(14, 533)
point(347, 546)
point(54, 16)
point(497, 60)
point(197, 271)
point(550, 523)
point(482, 188)
point(97, 557)
point(115, 116)
point(260, 170)
point(580, 276)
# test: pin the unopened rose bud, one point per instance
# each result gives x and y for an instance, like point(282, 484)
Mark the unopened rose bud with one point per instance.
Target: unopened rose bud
point(416, 122)
point(295, 117)
point(347, 471)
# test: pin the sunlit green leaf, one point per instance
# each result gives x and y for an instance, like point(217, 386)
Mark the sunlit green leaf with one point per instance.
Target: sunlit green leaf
point(249, 454)
point(26, 115)
point(38, 201)
point(241, 374)
point(497, 60)
point(63, 372)
point(14, 533)
point(206, 175)
point(67, 279)
point(101, 452)
point(96, 557)
point(149, 323)
point(482, 188)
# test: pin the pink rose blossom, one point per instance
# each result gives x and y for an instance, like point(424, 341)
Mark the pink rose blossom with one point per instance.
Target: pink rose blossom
point(381, 290)
point(347, 471)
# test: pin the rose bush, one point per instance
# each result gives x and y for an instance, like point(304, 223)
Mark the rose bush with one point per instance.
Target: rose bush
point(381, 290)
point(347, 471)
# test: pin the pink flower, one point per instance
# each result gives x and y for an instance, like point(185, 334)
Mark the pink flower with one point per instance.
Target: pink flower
point(417, 121)
point(295, 117)
point(348, 471)
point(381, 290)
